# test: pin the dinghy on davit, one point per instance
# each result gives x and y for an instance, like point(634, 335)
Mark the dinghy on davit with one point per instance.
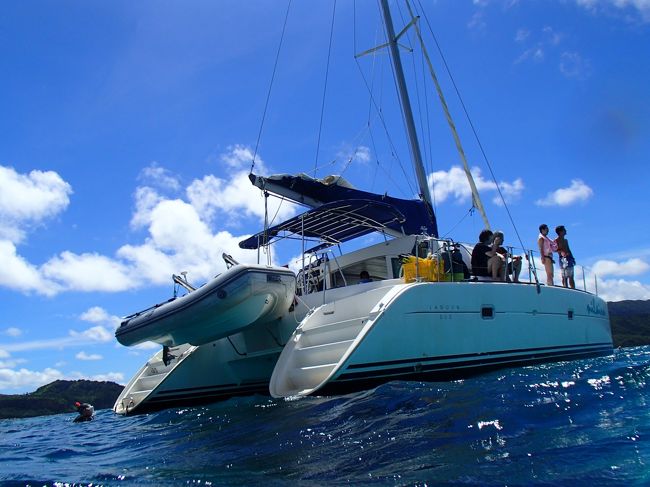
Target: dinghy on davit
point(242, 296)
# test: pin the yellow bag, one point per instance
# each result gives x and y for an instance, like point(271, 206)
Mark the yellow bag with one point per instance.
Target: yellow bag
point(428, 270)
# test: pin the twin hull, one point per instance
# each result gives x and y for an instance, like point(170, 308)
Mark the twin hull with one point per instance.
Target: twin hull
point(380, 331)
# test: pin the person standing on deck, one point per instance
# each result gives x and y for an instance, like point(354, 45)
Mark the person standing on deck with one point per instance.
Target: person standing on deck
point(546, 249)
point(567, 261)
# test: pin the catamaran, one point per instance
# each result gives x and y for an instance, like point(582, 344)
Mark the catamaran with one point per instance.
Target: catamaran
point(405, 308)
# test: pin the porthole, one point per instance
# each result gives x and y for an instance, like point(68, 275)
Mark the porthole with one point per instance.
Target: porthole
point(487, 312)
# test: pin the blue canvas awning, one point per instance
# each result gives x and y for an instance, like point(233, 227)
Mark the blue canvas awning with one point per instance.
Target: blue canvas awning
point(317, 192)
point(332, 223)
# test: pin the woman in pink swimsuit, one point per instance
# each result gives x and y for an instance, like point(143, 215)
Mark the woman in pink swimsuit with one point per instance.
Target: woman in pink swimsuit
point(546, 249)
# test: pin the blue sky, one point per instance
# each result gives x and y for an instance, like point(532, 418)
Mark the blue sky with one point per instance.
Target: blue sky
point(128, 131)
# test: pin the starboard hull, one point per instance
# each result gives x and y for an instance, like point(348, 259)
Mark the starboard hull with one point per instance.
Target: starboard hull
point(430, 332)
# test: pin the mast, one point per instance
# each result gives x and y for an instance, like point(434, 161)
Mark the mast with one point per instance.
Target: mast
point(406, 107)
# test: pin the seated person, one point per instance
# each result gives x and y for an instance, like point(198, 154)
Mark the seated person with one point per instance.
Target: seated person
point(479, 254)
point(364, 277)
point(496, 260)
point(514, 266)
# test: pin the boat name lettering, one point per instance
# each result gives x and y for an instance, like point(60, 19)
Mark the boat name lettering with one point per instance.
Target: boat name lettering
point(595, 308)
point(446, 307)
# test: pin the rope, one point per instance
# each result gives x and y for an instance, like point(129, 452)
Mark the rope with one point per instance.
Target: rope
point(268, 94)
point(386, 131)
point(470, 212)
point(327, 70)
point(471, 124)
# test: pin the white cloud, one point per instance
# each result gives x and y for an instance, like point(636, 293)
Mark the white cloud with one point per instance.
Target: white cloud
point(179, 237)
point(117, 377)
point(90, 336)
point(241, 157)
point(159, 176)
point(453, 184)
point(611, 287)
point(233, 199)
point(552, 37)
point(87, 272)
point(621, 289)
point(510, 191)
point(522, 35)
point(180, 241)
point(4, 353)
point(96, 314)
point(631, 267)
point(94, 334)
point(534, 53)
point(28, 199)
point(12, 363)
point(85, 356)
point(24, 378)
point(18, 274)
point(477, 22)
point(146, 199)
point(360, 153)
point(108, 376)
point(99, 315)
point(577, 192)
point(147, 346)
point(13, 331)
point(28, 380)
point(573, 65)
point(640, 7)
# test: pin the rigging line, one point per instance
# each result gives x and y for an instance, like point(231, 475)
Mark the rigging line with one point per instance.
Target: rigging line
point(371, 103)
point(383, 123)
point(418, 96)
point(452, 126)
point(428, 118)
point(428, 138)
point(327, 70)
point(409, 45)
point(470, 212)
point(282, 200)
point(268, 94)
point(403, 111)
point(514, 226)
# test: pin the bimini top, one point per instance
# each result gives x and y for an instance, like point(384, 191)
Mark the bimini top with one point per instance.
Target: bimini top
point(334, 189)
point(332, 223)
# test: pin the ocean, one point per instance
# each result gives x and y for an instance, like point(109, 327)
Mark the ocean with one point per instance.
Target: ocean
point(571, 423)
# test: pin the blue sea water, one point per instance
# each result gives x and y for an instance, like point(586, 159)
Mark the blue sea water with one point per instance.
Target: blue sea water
point(572, 423)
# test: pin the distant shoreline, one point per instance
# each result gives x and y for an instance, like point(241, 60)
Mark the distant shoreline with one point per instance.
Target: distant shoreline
point(59, 397)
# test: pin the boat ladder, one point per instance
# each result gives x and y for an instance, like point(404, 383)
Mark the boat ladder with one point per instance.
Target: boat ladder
point(149, 377)
point(324, 340)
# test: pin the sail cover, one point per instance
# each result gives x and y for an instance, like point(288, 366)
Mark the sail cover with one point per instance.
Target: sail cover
point(332, 223)
point(306, 190)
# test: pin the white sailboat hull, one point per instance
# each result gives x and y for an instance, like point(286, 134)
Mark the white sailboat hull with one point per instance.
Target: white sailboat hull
point(438, 331)
point(372, 333)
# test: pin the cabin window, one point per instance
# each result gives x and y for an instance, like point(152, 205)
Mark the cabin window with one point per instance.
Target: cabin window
point(570, 314)
point(376, 268)
point(487, 312)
